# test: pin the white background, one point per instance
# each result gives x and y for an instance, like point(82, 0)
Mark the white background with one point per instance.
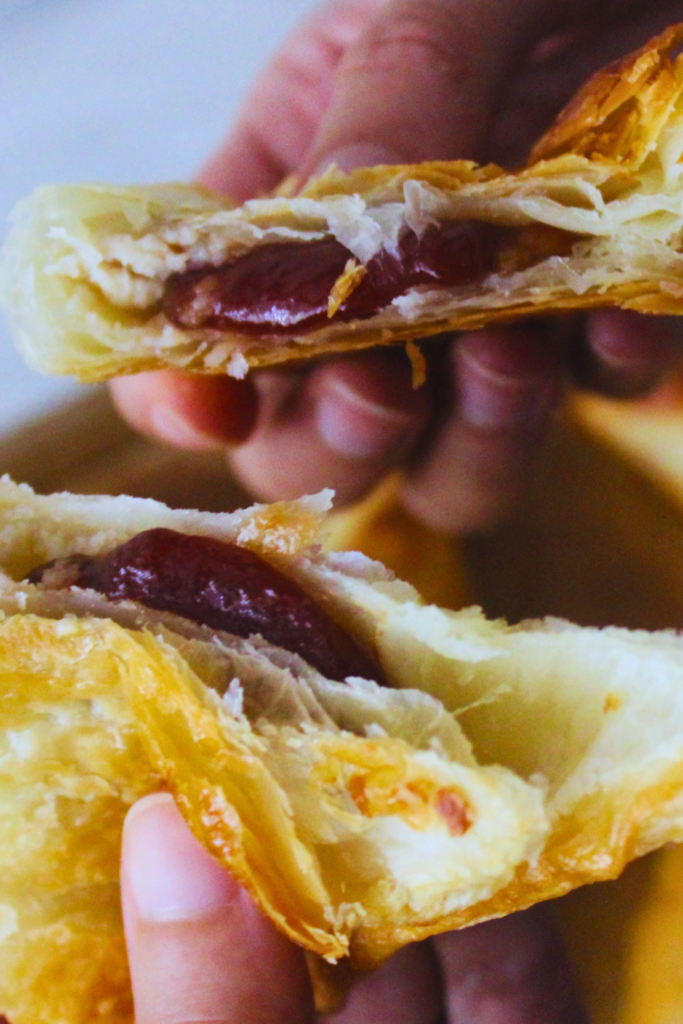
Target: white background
point(122, 91)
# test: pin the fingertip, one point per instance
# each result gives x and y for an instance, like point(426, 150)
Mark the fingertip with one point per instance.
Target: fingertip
point(514, 969)
point(470, 481)
point(506, 379)
point(168, 875)
point(348, 158)
point(406, 988)
point(626, 354)
point(497, 403)
point(193, 412)
point(342, 424)
point(366, 407)
point(626, 336)
point(199, 949)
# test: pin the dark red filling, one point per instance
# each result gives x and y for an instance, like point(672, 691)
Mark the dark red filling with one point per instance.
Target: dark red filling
point(218, 585)
point(284, 288)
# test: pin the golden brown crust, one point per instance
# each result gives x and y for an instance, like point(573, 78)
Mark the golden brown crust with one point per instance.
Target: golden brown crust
point(619, 113)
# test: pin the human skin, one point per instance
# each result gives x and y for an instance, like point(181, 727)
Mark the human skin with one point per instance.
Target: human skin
point(201, 951)
point(367, 81)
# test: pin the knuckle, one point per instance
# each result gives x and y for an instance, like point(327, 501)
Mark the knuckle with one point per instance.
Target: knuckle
point(422, 36)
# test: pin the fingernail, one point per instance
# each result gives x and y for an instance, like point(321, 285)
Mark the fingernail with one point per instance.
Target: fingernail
point(358, 428)
point(171, 427)
point(350, 157)
point(632, 342)
point(626, 354)
point(171, 876)
point(495, 401)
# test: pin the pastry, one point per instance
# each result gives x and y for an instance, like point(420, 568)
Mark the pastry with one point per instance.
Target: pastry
point(101, 280)
point(475, 769)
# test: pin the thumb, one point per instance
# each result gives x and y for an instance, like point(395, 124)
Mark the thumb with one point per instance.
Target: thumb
point(425, 77)
point(199, 949)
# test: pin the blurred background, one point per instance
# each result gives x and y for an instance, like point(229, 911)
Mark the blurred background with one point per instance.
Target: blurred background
point(119, 91)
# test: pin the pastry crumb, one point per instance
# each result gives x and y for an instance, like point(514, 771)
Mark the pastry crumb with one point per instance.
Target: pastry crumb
point(418, 364)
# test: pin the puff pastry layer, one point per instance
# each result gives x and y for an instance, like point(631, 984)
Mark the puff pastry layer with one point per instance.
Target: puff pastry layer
point(329, 801)
point(594, 219)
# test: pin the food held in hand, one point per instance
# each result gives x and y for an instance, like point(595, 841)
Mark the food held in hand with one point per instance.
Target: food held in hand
point(99, 281)
point(454, 770)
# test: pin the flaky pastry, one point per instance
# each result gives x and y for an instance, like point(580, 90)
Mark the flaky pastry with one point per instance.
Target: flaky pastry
point(491, 767)
point(101, 280)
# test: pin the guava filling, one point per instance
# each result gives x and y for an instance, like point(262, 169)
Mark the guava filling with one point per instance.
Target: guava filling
point(220, 585)
point(295, 287)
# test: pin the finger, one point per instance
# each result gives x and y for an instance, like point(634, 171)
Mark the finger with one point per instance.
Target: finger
point(282, 111)
point(279, 118)
point(199, 949)
point(405, 990)
point(197, 413)
point(503, 388)
point(511, 971)
point(626, 354)
point(425, 78)
point(341, 425)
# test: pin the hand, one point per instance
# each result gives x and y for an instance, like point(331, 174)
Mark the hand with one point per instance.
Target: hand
point(199, 950)
point(366, 81)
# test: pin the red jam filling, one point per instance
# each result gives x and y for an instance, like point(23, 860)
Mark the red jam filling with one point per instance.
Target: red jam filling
point(284, 288)
point(218, 585)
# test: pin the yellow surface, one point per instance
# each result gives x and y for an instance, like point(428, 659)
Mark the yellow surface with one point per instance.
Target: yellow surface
point(647, 924)
point(654, 984)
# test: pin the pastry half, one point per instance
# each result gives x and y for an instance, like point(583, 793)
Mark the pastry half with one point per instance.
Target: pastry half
point(100, 280)
point(483, 768)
